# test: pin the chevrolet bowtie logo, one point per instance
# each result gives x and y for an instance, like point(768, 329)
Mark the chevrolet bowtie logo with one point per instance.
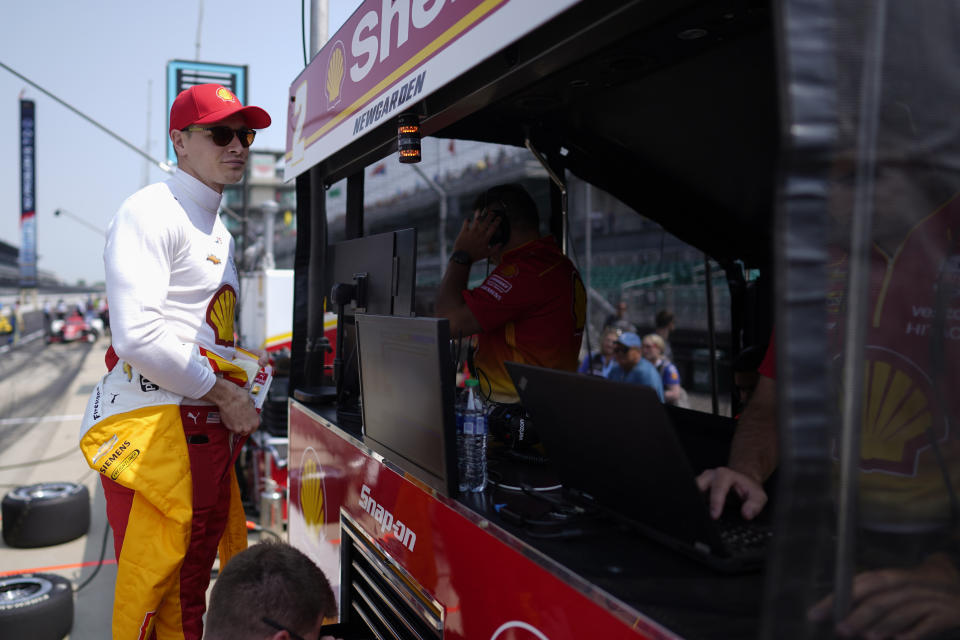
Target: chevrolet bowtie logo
point(214, 259)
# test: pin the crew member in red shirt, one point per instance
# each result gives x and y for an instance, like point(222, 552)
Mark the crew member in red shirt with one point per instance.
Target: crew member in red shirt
point(530, 309)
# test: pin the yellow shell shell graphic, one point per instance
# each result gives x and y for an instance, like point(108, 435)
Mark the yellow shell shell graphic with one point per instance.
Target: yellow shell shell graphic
point(225, 95)
point(220, 315)
point(335, 73)
point(896, 411)
point(311, 490)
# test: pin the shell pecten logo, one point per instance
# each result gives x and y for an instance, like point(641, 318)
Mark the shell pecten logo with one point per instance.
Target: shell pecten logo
point(226, 95)
point(220, 315)
point(335, 68)
point(896, 414)
point(312, 490)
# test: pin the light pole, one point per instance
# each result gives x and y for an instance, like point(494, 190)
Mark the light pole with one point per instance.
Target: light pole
point(270, 209)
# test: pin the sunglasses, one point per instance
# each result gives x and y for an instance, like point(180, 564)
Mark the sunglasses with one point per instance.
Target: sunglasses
point(276, 625)
point(222, 135)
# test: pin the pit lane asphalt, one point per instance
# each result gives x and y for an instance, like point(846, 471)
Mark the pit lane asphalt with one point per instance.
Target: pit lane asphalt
point(43, 394)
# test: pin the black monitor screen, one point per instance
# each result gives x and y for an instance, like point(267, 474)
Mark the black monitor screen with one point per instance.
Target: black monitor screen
point(388, 260)
point(407, 390)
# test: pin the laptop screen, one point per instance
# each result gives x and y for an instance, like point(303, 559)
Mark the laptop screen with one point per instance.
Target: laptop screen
point(614, 443)
point(407, 395)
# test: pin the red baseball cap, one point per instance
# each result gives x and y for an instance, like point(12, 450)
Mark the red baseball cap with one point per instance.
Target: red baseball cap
point(207, 103)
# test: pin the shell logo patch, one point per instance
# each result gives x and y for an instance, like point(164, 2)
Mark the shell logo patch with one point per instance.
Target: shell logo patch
point(224, 94)
point(220, 315)
point(509, 270)
point(214, 259)
point(897, 413)
point(312, 490)
point(335, 68)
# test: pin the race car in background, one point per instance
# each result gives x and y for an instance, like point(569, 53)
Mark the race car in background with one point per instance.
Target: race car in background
point(74, 327)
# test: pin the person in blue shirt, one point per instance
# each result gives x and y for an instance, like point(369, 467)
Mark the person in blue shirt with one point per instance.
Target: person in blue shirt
point(631, 367)
point(653, 352)
point(600, 363)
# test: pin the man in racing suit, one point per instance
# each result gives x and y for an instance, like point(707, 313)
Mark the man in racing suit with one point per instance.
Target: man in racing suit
point(164, 425)
point(531, 309)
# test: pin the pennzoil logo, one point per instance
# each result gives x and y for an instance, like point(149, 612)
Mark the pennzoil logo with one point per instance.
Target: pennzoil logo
point(220, 315)
point(115, 456)
point(312, 490)
point(126, 462)
point(335, 69)
point(224, 94)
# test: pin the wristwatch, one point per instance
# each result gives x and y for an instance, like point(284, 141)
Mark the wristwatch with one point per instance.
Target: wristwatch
point(461, 257)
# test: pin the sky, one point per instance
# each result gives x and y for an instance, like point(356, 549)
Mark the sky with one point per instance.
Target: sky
point(104, 57)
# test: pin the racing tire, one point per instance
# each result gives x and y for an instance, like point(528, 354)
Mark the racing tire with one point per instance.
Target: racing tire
point(45, 514)
point(38, 606)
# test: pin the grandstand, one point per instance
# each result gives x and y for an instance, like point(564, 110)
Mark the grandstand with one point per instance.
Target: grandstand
point(10, 274)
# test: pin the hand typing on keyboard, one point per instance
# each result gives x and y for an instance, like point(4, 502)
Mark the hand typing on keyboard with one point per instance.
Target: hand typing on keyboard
point(724, 482)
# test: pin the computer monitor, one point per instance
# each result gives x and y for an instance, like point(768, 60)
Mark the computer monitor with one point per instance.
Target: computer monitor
point(381, 267)
point(407, 388)
point(372, 274)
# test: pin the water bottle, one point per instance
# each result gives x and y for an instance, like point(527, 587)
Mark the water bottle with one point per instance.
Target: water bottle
point(474, 476)
point(460, 409)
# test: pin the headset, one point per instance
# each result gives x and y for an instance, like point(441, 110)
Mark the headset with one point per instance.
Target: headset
point(498, 210)
point(510, 424)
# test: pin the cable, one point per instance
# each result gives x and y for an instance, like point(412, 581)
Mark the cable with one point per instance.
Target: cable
point(523, 489)
point(586, 323)
point(489, 395)
point(163, 165)
point(303, 29)
point(86, 475)
point(253, 526)
point(103, 552)
point(59, 456)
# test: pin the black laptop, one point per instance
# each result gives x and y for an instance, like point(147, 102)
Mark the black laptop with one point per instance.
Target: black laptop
point(613, 447)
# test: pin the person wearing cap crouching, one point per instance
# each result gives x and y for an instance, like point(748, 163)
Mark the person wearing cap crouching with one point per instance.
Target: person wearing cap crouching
point(165, 424)
point(631, 367)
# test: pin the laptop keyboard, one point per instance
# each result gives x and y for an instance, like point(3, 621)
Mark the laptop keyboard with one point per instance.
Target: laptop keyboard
point(740, 537)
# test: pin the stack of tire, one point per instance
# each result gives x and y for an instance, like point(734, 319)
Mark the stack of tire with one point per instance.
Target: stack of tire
point(273, 414)
point(39, 606)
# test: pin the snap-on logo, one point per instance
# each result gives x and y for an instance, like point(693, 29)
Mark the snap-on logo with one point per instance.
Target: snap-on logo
point(126, 462)
point(388, 524)
point(114, 456)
